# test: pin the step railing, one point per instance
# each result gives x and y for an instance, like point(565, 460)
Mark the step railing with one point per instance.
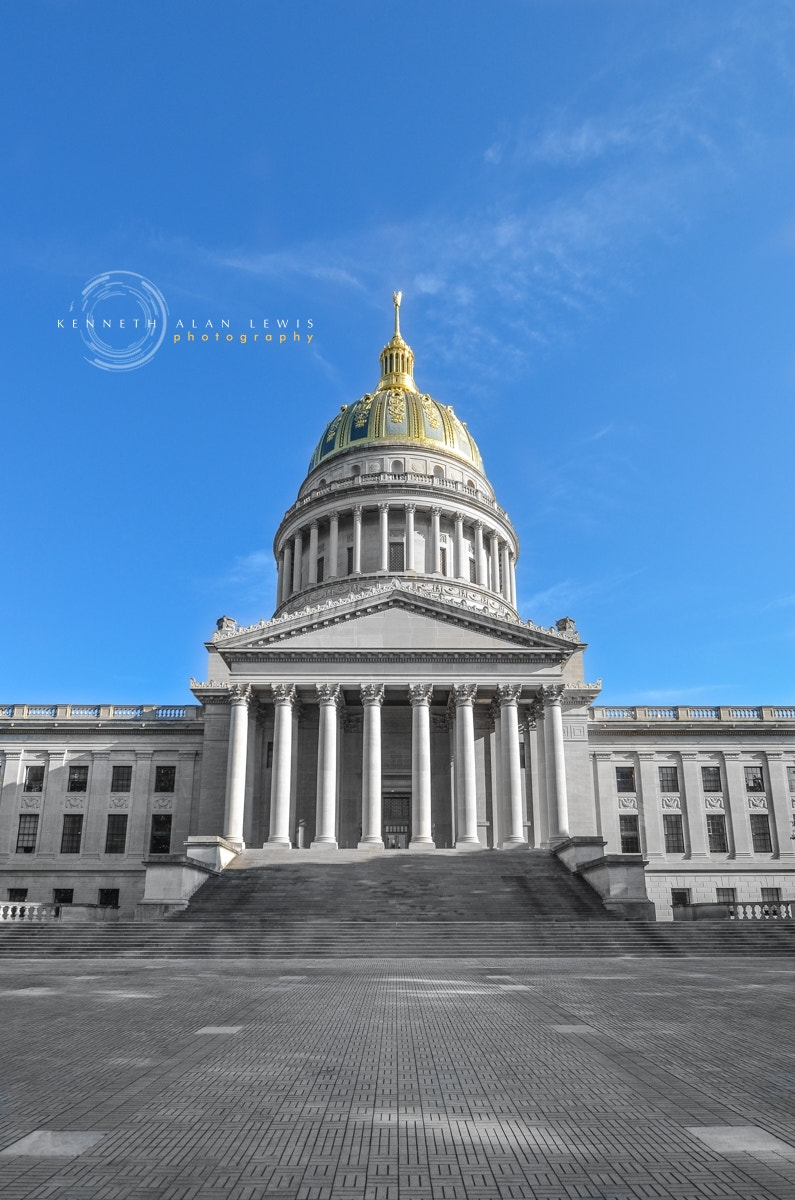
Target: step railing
point(768, 910)
point(33, 912)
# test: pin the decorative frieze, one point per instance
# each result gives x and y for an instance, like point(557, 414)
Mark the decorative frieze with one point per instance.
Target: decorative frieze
point(628, 803)
point(758, 802)
point(714, 803)
point(671, 804)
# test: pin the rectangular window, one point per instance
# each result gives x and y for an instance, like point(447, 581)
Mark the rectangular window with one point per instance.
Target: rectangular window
point(625, 779)
point(680, 897)
point(321, 566)
point(522, 756)
point(63, 895)
point(121, 780)
point(26, 835)
point(673, 828)
point(710, 779)
point(116, 835)
point(726, 895)
point(473, 571)
point(349, 561)
point(396, 556)
point(78, 779)
point(165, 779)
point(630, 835)
point(34, 779)
point(716, 834)
point(160, 839)
point(443, 560)
point(269, 756)
point(791, 778)
point(771, 895)
point(108, 898)
point(669, 779)
point(17, 895)
point(754, 780)
point(72, 833)
point(760, 833)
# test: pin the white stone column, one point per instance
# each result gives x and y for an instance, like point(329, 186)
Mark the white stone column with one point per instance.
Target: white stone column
point(506, 573)
point(372, 699)
point(436, 540)
point(607, 802)
point(328, 695)
point(507, 698)
point(494, 546)
point(553, 714)
point(235, 801)
point(735, 804)
point(287, 574)
point(463, 695)
point(651, 815)
point(357, 540)
point(298, 550)
point(497, 772)
point(383, 515)
point(421, 828)
point(780, 804)
point(279, 577)
point(459, 547)
point(410, 508)
point(333, 545)
point(481, 572)
point(512, 577)
point(695, 807)
point(284, 698)
point(312, 552)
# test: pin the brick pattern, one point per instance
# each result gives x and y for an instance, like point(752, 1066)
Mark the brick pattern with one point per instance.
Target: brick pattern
point(399, 1080)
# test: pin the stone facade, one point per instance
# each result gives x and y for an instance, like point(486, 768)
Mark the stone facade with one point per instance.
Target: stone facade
point(395, 700)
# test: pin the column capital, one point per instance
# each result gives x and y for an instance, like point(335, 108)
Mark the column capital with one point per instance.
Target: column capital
point(507, 693)
point(552, 693)
point(410, 506)
point(436, 509)
point(459, 516)
point(240, 693)
point(384, 507)
point(420, 693)
point(463, 693)
point(535, 709)
point(357, 511)
point(328, 693)
point(284, 693)
point(313, 524)
point(372, 693)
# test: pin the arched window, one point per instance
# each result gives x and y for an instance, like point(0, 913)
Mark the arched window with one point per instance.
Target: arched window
point(471, 484)
point(356, 470)
point(438, 472)
point(397, 467)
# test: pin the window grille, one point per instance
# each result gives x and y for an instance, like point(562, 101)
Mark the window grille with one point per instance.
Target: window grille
point(116, 835)
point(669, 779)
point(443, 560)
point(710, 779)
point(630, 835)
point(78, 779)
point(121, 780)
point(726, 895)
point(160, 838)
point(320, 570)
point(760, 833)
point(26, 834)
point(771, 895)
point(34, 779)
point(716, 834)
point(680, 897)
point(791, 778)
point(673, 828)
point(17, 895)
point(63, 895)
point(349, 560)
point(754, 780)
point(473, 571)
point(108, 898)
point(625, 779)
point(165, 779)
point(396, 556)
point(72, 833)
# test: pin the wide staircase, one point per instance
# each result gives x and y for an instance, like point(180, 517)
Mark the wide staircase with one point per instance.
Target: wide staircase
point(395, 905)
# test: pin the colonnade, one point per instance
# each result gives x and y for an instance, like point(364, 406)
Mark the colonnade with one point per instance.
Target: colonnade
point(546, 710)
point(493, 557)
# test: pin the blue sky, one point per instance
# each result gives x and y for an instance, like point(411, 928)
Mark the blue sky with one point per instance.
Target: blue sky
point(590, 208)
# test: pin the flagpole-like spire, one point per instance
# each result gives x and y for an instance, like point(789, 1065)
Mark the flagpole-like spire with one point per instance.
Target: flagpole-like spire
point(397, 297)
point(397, 358)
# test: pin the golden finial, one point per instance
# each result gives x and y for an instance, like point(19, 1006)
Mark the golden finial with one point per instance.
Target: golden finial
point(397, 297)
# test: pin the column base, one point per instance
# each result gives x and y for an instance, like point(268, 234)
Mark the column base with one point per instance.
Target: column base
point(514, 843)
point(422, 844)
point(468, 844)
point(278, 843)
point(324, 844)
point(371, 844)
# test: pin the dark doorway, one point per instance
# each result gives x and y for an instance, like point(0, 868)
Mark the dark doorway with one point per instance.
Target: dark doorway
point(397, 820)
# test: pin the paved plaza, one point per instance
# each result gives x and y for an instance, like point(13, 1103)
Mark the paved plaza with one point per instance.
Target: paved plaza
point(395, 1079)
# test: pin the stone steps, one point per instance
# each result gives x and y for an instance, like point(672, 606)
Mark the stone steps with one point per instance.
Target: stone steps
point(330, 939)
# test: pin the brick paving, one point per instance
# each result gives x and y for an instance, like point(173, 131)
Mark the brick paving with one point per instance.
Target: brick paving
point(589, 1079)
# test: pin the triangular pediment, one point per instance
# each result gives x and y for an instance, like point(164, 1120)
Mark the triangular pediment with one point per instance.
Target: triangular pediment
point(395, 619)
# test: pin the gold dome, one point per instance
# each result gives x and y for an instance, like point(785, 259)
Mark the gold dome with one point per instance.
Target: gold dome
point(397, 413)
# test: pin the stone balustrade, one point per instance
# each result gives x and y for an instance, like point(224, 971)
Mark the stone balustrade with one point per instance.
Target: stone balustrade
point(769, 910)
point(385, 479)
point(688, 713)
point(101, 712)
point(30, 913)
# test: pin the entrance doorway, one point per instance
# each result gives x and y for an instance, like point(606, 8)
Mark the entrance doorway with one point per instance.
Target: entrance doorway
point(397, 820)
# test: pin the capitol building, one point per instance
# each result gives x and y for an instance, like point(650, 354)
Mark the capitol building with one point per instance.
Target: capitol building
point(395, 702)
